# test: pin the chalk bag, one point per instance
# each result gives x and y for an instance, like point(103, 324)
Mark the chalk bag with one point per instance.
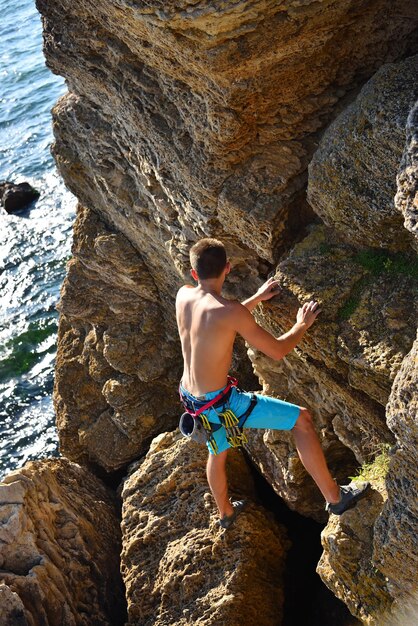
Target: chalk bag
point(192, 428)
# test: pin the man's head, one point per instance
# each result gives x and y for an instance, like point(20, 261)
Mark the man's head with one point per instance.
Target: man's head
point(208, 258)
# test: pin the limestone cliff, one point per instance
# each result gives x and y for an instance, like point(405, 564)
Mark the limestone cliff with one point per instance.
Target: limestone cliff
point(185, 119)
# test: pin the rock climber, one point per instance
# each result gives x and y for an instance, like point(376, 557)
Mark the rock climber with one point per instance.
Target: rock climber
point(208, 324)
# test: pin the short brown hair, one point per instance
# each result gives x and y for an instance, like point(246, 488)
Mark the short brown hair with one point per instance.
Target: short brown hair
point(208, 258)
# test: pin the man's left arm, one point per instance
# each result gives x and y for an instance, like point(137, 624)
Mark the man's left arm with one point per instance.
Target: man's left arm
point(269, 289)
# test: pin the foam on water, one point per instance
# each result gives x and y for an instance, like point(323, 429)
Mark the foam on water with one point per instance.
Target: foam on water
point(34, 244)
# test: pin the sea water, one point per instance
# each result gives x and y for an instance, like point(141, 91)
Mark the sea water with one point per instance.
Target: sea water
point(35, 244)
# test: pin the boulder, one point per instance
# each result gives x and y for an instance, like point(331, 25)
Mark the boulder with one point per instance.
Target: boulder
point(12, 609)
point(179, 567)
point(352, 176)
point(14, 197)
point(59, 548)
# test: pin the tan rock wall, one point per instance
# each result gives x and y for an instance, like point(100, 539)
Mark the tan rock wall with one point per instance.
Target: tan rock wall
point(115, 384)
point(370, 556)
point(180, 122)
point(344, 367)
point(347, 566)
point(212, 109)
point(59, 548)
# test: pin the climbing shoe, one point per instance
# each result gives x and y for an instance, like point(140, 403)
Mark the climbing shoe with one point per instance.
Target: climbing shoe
point(350, 494)
point(228, 520)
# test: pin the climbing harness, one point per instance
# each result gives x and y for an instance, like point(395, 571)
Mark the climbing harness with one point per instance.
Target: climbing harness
point(197, 406)
point(195, 424)
point(234, 425)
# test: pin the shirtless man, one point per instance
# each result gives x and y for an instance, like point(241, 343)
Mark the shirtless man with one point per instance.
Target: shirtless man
point(208, 324)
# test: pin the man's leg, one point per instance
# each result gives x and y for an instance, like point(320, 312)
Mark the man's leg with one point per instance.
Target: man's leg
point(312, 456)
point(216, 474)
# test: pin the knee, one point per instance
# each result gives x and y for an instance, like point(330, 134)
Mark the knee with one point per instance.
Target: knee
point(304, 422)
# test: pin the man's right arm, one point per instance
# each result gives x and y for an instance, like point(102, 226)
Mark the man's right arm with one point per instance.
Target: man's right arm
point(262, 340)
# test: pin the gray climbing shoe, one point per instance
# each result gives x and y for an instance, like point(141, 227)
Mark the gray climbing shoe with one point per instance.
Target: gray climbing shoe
point(228, 520)
point(350, 494)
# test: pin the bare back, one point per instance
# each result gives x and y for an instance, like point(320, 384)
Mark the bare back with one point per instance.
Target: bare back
point(207, 337)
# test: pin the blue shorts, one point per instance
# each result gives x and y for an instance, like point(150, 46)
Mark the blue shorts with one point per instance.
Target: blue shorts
point(267, 413)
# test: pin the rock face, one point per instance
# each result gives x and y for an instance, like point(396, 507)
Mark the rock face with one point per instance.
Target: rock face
point(107, 351)
point(406, 199)
point(217, 116)
point(209, 100)
point(59, 549)
point(351, 176)
point(178, 566)
point(346, 364)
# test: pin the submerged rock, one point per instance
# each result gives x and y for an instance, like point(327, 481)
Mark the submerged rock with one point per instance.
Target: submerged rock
point(59, 548)
point(178, 566)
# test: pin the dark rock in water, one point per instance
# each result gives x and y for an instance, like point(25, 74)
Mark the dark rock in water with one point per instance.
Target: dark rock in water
point(15, 197)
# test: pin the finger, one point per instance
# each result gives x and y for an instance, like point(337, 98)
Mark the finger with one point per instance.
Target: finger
point(305, 307)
